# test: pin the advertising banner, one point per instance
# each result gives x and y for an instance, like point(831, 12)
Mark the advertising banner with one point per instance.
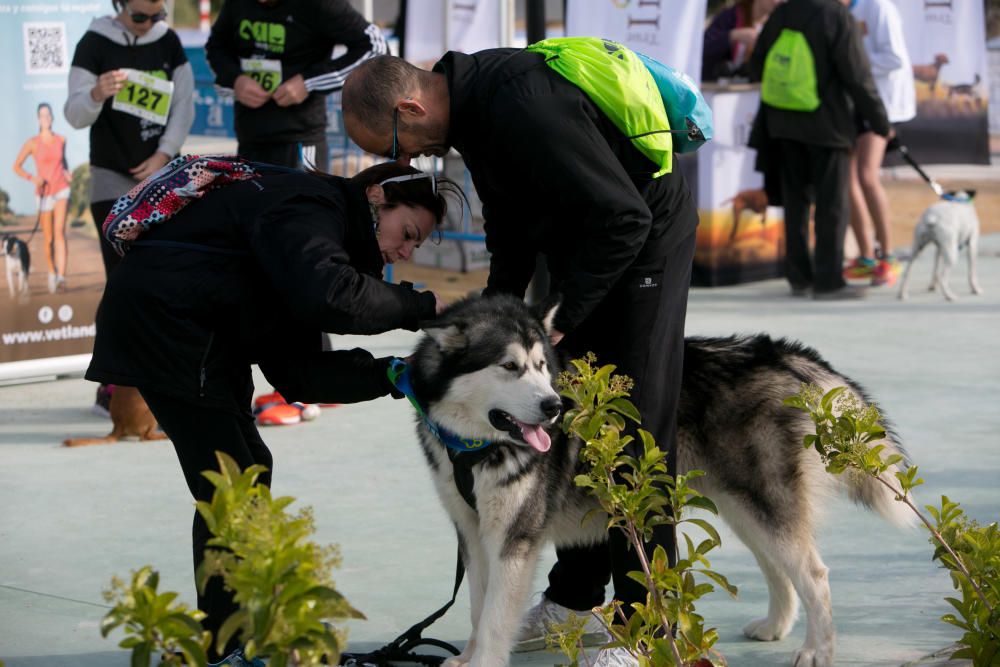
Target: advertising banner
point(946, 41)
point(668, 30)
point(53, 270)
point(474, 25)
point(740, 238)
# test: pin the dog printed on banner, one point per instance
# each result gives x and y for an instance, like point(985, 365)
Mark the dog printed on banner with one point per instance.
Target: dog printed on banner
point(484, 372)
point(18, 261)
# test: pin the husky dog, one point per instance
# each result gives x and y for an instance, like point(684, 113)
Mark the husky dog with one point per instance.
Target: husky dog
point(18, 264)
point(950, 224)
point(484, 372)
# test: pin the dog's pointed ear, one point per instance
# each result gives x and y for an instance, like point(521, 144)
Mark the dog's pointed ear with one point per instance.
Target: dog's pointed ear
point(449, 337)
point(546, 309)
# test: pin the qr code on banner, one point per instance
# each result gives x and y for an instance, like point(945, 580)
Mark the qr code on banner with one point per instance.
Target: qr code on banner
point(45, 48)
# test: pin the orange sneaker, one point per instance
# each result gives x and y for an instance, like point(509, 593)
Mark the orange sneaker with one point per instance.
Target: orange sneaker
point(279, 414)
point(267, 399)
point(886, 272)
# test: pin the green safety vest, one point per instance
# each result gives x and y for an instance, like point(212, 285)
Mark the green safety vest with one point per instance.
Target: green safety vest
point(617, 81)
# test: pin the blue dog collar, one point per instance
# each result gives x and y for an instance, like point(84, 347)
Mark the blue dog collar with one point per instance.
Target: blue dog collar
point(401, 378)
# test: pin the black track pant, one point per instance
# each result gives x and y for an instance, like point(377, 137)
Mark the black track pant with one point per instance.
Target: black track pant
point(197, 433)
point(99, 210)
point(639, 327)
point(822, 170)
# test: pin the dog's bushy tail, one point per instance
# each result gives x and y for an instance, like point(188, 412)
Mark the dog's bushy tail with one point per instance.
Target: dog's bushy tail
point(860, 487)
point(878, 497)
point(864, 489)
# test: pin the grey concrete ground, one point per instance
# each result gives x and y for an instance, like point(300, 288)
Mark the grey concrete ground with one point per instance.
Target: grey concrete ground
point(72, 518)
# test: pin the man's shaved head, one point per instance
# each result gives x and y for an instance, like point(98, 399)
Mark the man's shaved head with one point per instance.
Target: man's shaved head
point(375, 86)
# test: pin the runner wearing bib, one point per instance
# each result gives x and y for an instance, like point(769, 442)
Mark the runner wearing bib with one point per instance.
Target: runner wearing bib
point(277, 56)
point(131, 83)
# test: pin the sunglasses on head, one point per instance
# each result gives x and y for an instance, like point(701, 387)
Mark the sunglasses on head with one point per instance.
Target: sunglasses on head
point(139, 17)
point(413, 177)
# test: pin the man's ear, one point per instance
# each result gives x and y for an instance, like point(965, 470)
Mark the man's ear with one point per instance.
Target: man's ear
point(449, 337)
point(411, 107)
point(546, 309)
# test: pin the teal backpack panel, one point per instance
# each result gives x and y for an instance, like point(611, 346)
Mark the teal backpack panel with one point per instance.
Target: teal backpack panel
point(684, 104)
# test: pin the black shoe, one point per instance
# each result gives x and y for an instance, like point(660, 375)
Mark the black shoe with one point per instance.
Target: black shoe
point(841, 293)
point(801, 290)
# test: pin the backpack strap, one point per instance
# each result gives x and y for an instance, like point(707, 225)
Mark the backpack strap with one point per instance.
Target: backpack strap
point(163, 194)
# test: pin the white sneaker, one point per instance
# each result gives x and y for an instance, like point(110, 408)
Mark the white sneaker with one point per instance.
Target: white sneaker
point(615, 657)
point(547, 613)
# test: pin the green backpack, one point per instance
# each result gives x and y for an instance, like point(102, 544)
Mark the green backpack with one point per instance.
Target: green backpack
point(789, 79)
point(621, 86)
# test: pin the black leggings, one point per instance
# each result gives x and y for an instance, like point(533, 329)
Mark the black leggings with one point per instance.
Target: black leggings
point(100, 210)
point(197, 433)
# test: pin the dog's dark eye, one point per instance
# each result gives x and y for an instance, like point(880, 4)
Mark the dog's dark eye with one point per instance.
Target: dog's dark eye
point(509, 366)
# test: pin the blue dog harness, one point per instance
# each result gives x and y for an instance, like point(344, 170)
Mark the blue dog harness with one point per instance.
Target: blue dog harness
point(399, 376)
point(462, 452)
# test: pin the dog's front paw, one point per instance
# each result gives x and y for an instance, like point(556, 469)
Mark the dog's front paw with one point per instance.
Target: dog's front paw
point(457, 661)
point(976, 289)
point(766, 630)
point(813, 657)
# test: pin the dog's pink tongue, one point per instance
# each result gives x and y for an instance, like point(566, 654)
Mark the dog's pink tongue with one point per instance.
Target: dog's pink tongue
point(535, 436)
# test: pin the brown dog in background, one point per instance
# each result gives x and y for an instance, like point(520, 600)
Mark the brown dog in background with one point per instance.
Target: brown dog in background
point(130, 417)
point(754, 200)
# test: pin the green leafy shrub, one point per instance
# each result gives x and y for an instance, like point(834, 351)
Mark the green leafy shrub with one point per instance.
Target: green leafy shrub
point(154, 624)
point(848, 436)
point(638, 495)
point(280, 580)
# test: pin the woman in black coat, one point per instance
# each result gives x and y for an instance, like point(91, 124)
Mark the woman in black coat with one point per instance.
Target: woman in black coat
point(252, 273)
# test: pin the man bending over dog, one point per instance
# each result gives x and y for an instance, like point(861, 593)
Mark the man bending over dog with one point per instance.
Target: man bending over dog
point(557, 177)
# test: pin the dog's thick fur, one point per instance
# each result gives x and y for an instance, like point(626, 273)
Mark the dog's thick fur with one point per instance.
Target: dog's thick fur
point(485, 370)
point(18, 260)
point(950, 225)
point(130, 417)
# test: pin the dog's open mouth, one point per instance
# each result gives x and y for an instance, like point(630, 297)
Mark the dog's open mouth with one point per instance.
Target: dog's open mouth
point(533, 434)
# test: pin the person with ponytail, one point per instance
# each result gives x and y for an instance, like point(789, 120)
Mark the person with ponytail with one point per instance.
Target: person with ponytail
point(251, 273)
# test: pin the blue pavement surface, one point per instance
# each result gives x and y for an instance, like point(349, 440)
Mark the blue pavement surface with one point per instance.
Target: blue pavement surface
point(72, 518)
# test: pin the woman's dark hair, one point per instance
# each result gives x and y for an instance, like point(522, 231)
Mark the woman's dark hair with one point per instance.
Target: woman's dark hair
point(416, 192)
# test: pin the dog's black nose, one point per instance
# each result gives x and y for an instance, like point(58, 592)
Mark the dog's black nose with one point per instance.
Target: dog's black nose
point(551, 406)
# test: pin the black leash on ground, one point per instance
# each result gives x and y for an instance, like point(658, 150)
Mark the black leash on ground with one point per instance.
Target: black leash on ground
point(401, 648)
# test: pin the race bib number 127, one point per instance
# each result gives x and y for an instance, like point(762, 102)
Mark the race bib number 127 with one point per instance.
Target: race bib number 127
point(144, 96)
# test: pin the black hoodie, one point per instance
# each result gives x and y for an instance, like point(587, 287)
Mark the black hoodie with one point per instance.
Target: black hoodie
point(279, 259)
point(843, 75)
point(302, 35)
point(556, 176)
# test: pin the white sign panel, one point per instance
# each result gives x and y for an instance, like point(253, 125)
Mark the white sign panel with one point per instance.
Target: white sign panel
point(668, 30)
point(474, 25)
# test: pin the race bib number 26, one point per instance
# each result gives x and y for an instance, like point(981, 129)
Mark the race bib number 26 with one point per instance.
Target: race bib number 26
point(144, 96)
point(265, 72)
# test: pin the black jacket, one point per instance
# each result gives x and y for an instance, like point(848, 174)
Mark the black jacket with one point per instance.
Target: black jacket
point(843, 75)
point(277, 260)
point(302, 35)
point(555, 176)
